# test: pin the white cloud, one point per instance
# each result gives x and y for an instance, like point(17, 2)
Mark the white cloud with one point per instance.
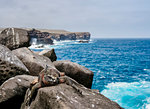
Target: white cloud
point(100, 17)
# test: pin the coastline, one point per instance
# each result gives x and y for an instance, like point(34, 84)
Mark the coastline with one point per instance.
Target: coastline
point(15, 82)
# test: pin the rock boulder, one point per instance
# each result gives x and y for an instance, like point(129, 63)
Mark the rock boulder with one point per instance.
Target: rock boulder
point(64, 96)
point(34, 62)
point(79, 73)
point(14, 38)
point(13, 90)
point(50, 54)
point(10, 64)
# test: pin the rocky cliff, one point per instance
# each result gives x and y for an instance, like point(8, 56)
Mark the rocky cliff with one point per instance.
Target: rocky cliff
point(58, 35)
point(70, 36)
point(17, 37)
point(66, 35)
point(41, 37)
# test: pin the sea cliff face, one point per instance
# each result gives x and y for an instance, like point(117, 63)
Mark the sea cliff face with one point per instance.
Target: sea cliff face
point(40, 37)
point(70, 36)
point(18, 37)
point(58, 35)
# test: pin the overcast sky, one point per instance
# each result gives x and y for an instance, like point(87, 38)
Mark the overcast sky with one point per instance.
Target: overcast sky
point(102, 18)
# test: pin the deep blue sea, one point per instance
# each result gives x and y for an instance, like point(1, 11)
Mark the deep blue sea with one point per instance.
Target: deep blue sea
point(121, 67)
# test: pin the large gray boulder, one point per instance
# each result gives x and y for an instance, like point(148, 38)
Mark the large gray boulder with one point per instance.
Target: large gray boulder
point(34, 62)
point(14, 38)
point(10, 64)
point(79, 73)
point(50, 54)
point(64, 96)
point(13, 90)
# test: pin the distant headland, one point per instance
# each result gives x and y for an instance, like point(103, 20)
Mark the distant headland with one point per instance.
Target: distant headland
point(25, 36)
point(34, 80)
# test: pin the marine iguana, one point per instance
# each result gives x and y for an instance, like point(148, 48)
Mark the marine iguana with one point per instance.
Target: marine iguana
point(49, 77)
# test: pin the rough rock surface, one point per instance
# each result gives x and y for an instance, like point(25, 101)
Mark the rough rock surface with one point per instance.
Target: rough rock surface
point(34, 62)
point(63, 36)
point(70, 36)
point(14, 38)
point(79, 73)
point(82, 35)
point(63, 96)
point(50, 54)
point(41, 37)
point(10, 65)
point(13, 90)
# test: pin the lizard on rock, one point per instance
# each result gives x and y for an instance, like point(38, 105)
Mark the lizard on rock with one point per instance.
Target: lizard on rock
point(49, 77)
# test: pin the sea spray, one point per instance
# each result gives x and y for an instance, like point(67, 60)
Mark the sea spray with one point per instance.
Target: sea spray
point(135, 95)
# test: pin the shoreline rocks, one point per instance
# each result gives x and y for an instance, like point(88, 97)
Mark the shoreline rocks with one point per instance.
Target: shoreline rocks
point(50, 54)
point(34, 62)
point(10, 64)
point(22, 61)
point(79, 73)
point(17, 37)
point(13, 90)
point(60, 96)
point(14, 38)
point(63, 96)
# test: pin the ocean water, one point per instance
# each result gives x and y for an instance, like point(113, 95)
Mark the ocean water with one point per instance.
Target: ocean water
point(121, 67)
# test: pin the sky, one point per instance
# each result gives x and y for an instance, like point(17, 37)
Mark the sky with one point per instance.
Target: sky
point(102, 18)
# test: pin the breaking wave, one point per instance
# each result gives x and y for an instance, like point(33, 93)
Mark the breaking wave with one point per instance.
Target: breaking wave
point(135, 95)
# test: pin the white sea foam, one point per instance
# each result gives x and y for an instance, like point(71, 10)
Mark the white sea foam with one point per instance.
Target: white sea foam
point(147, 70)
point(57, 44)
point(148, 106)
point(64, 41)
point(33, 41)
point(133, 95)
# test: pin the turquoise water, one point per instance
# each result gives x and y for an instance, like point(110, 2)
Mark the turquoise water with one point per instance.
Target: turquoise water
point(121, 67)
